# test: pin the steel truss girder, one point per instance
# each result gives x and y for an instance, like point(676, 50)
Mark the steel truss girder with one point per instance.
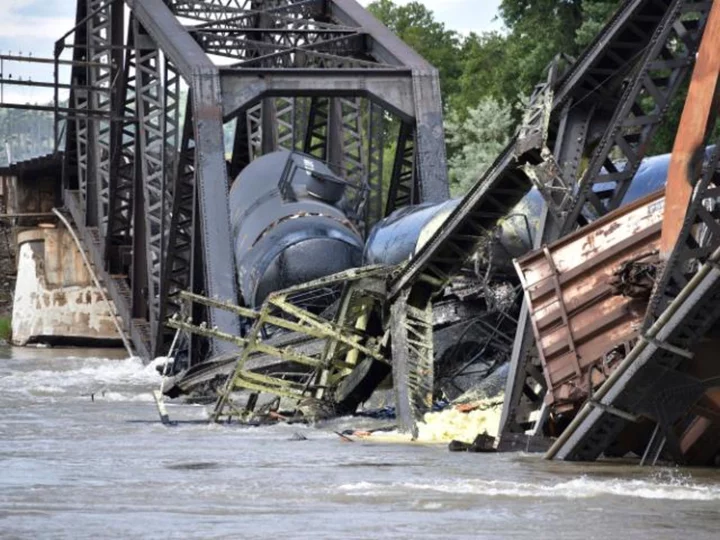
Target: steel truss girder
point(412, 358)
point(656, 79)
point(242, 149)
point(391, 88)
point(403, 181)
point(285, 114)
point(202, 78)
point(375, 157)
point(71, 164)
point(105, 54)
point(383, 89)
point(231, 44)
point(699, 237)
point(346, 153)
point(122, 168)
point(629, 129)
point(650, 382)
point(177, 268)
point(589, 83)
point(343, 343)
point(525, 374)
point(650, 385)
point(82, 151)
point(350, 118)
point(79, 141)
point(659, 74)
point(280, 16)
point(351, 55)
point(101, 148)
point(382, 44)
point(326, 43)
point(155, 106)
point(526, 384)
point(212, 10)
point(305, 59)
point(140, 185)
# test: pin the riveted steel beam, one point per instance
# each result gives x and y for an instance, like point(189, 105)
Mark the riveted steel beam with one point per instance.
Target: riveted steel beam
point(696, 123)
point(202, 76)
point(392, 89)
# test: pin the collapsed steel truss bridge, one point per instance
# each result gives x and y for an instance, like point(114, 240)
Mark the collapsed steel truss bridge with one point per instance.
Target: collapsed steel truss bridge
point(145, 178)
point(145, 164)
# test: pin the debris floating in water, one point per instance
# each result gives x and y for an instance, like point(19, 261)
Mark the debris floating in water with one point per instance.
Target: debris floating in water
point(461, 423)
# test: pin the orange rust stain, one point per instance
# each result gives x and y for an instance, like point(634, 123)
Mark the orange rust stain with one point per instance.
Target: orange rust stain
point(691, 133)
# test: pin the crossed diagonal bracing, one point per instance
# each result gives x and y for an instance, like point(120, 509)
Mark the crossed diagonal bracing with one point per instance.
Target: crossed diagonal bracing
point(324, 51)
point(318, 353)
point(148, 172)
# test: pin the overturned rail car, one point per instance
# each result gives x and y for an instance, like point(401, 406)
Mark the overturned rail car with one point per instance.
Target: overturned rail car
point(614, 385)
point(473, 322)
point(289, 215)
point(587, 296)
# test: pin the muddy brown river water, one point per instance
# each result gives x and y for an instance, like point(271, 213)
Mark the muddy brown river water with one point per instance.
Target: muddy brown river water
point(75, 468)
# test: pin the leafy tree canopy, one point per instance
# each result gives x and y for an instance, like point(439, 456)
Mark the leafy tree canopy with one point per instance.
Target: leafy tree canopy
point(479, 139)
point(485, 77)
point(416, 25)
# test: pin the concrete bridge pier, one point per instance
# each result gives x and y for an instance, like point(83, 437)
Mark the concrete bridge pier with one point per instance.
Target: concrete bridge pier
point(55, 301)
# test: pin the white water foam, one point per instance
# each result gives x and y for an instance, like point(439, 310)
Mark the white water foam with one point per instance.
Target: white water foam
point(116, 379)
point(583, 488)
point(143, 397)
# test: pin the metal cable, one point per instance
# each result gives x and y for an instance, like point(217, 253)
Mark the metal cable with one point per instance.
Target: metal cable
point(96, 281)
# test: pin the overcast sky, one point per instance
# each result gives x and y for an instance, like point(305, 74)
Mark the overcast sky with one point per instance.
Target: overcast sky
point(462, 15)
point(32, 26)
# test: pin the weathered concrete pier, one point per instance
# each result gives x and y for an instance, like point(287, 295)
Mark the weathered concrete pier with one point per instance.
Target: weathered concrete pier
point(56, 301)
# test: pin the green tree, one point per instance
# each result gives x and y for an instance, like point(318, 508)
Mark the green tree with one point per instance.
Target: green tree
point(504, 65)
point(416, 25)
point(538, 31)
point(595, 14)
point(483, 57)
point(479, 139)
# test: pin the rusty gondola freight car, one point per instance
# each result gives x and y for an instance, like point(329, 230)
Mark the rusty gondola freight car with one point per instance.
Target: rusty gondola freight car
point(587, 295)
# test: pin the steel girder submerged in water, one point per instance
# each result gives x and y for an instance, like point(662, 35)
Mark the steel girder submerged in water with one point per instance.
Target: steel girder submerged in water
point(607, 104)
point(325, 365)
point(667, 385)
point(657, 394)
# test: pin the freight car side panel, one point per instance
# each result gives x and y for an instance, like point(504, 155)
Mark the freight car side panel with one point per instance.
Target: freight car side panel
point(582, 326)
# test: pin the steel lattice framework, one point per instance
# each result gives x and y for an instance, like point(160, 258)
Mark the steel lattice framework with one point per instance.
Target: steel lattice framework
point(154, 84)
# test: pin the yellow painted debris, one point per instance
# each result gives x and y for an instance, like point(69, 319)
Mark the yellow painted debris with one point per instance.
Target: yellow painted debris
point(450, 424)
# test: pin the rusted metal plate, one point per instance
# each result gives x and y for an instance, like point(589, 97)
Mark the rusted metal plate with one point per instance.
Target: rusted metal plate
point(696, 122)
point(699, 439)
point(581, 326)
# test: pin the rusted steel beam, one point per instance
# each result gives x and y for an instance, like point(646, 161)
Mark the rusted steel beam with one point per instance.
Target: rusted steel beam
point(697, 120)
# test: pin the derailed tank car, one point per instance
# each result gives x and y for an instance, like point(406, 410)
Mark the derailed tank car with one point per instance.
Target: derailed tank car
point(289, 225)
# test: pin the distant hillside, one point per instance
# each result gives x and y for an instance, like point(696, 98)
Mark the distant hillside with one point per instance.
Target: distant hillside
point(29, 134)
point(24, 134)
